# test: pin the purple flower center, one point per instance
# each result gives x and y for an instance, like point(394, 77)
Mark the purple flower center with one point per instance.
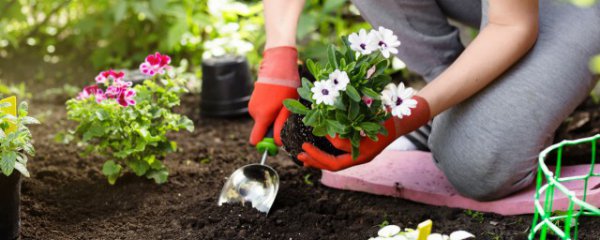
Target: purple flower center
point(398, 101)
point(363, 46)
point(325, 92)
point(382, 44)
point(335, 81)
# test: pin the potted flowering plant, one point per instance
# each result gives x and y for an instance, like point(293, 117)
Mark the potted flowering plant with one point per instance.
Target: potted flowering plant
point(15, 147)
point(349, 97)
point(128, 125)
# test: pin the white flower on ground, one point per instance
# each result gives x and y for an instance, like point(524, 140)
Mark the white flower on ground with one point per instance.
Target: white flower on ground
point(325, 92)
point(362, 42)
point(386, 41)
point(339, 79)
point(411, 234)
point(389, 231)
point(399, 99)
point(458, 235)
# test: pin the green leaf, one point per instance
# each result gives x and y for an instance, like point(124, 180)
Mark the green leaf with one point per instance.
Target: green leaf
point(22, 169)
point(95, 130)
point(23, 109)
point(312, 68)
point(159, 176)
point(120, 10)
point(29, 120)
point(7, 162)
point(139, 167)
point(112, 170)
point(352, 93)
point(310, 119)
point(370, 93)
point(295, 106)
point(305, 94)
point(331, 56)
point(304, 91)
point(320, 131)
point(380, 67)
point(355, 152)
point(370, 126)
point(341, 117)
point(379, 82)
point(335, 125)
point(353, 110)
point(332, 5)
point(102, 115)
point(339, 104)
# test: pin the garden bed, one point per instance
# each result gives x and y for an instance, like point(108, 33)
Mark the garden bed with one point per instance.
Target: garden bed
point(67, 197)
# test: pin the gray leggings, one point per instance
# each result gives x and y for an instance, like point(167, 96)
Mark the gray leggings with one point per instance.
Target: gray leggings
point(488, 145)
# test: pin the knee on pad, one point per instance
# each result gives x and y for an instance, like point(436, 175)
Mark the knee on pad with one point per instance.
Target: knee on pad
point(480, 174)
point(489, 187)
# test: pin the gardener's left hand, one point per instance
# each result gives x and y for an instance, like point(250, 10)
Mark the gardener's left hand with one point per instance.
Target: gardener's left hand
point(369, 149)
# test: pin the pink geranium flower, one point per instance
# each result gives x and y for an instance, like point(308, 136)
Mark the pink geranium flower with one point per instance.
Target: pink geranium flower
point(155, 63)
point(100, 96)
point(112, 92)
point(105, 76)
point(90, 91)
point(126, 97)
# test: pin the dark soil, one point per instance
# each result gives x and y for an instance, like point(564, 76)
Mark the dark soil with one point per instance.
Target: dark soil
point(295, 133)
point(584, 122)
point(68, 198)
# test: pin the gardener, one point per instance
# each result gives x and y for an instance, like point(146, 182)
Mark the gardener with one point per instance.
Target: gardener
point(496, 102)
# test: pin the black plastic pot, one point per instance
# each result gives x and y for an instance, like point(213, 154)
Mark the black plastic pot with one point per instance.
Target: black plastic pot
point(10, 195)
point(226, 87)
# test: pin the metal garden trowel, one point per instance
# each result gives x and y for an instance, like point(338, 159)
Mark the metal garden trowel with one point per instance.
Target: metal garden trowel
point(255, 184)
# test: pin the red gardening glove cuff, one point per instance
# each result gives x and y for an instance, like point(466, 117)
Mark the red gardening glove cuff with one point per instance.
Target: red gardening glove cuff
point(280, 67)
point(278, 80)
point(369, 149)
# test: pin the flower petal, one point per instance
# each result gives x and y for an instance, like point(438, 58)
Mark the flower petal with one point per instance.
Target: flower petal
point(435, 236)
point(388, 231)
point(460, 235)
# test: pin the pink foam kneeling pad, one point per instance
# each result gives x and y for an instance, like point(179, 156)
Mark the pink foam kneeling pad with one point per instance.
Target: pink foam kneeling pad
point(413, 175)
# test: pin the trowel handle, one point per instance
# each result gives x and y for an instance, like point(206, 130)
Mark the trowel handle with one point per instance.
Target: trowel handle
point(268, 144)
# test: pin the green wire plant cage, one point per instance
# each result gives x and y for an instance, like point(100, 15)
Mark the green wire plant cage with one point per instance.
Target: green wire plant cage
point(562, 224)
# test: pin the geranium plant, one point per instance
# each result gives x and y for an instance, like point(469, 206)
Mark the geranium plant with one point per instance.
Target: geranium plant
point(15, 139)
point(348, 99)
point(129, 125)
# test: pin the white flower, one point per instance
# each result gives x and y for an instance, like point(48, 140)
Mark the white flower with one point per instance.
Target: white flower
point(242, 47)
point(411, 234)
point(339, 79)
point(389, 231)
point(361, 42)
point(385, 40)
point(325, 92)
point(458, 235)
point(399, 99)
point(398, 64)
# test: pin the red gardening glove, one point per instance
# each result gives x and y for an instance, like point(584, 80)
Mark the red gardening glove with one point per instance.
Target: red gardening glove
point(369, 149)
point(278, 80)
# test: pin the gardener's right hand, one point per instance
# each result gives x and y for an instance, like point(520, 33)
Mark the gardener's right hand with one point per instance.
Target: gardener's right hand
point(278, 80)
